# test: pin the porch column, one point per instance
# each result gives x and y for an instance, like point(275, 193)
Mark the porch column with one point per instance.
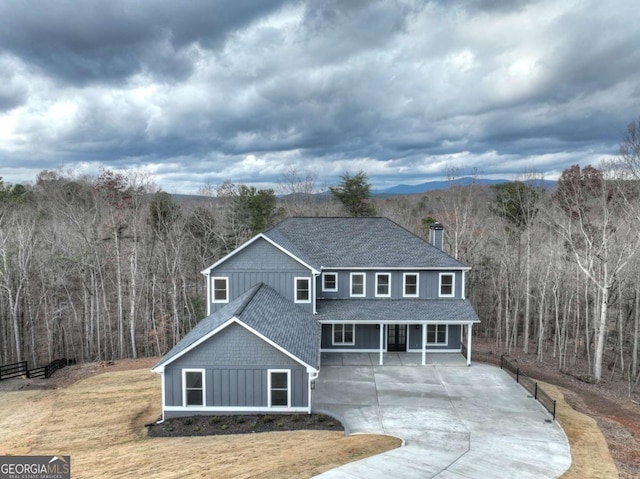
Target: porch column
point(381, 342)
point(469, 326)
point(424, 343)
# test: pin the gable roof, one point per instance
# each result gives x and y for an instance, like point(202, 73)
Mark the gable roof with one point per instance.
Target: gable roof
point(357, 243)
point(263, 311)
point(259, 236)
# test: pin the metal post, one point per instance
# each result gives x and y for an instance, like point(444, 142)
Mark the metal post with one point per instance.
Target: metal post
point(424, 344)
point(381, 342)
point(469, 326)
point(535, 394)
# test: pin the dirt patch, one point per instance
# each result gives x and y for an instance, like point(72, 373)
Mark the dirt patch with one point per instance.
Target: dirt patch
point(608, 402)
point(100, 422)
point(589, 451)
point(244, 424)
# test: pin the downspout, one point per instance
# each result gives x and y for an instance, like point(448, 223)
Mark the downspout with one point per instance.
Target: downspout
point(312, 377)
point(313, 293)
point(161, 373)
point(208, 286)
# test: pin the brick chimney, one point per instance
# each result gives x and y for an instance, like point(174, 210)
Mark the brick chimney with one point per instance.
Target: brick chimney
point(436, 234)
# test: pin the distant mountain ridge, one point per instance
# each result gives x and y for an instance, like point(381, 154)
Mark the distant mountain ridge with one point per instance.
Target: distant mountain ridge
point(445, 184)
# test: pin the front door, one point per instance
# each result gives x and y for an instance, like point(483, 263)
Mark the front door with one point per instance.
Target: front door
point(397, 337)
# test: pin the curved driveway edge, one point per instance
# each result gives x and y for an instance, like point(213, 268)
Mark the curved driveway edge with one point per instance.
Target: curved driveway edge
point(457, 422)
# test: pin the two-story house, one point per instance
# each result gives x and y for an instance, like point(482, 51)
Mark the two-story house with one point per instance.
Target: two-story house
point(308, 286)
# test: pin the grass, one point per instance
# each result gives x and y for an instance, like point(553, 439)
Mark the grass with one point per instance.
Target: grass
point(99, 422)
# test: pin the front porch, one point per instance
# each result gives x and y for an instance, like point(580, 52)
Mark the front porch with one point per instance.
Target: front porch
point(392, 359)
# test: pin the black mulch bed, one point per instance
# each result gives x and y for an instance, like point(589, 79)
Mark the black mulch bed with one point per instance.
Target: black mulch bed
point(245, 424)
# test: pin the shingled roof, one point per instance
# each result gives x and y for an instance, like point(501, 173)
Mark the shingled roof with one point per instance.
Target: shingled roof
point(357, 243)
point(397, 310)
point(264, 310)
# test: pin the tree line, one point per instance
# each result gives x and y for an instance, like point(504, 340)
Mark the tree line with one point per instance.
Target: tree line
point(108, 266)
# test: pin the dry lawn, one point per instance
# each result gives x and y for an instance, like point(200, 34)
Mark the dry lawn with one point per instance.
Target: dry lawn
point(99, 422)
point(589, 451)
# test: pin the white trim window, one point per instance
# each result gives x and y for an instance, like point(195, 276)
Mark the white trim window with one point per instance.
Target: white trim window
point(410, 285)
point(437, 334)
point(279, 388)
point(193, 388)
point(343, 335)
point(330, 282)
point(219, 289)
point(383, 285)
point(447, 286)
point(302, 292)
point(358, 285)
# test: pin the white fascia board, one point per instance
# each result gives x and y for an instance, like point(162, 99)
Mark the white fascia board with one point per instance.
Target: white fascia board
point(310, 369)
point(395, 268)
point(195, 344)
point(352, 350)
point(251, 241)
point(394, 321)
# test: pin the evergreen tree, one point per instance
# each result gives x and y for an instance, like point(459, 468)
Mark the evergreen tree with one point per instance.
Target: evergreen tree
point(354, 194)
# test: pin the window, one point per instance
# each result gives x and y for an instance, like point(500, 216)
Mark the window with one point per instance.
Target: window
point(329, 281)
point(303, 290)
point(343, 334)
point(446, 285)
point(410, 287)
point(220, 289)
point(358, 285)
point(193, 384)
point(279, 388)
point(383, 284)
point(436, 334)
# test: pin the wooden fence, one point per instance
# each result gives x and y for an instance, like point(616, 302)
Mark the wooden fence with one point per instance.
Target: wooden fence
point(21, 368)
point(13, 370)
point(49, 369)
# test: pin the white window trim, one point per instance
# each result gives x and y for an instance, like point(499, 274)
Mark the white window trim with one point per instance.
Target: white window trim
point(404, 285)
point(453, 285)
point(295, 289)
point(343, 343)
point(446, 335)
point(388, 295)
point(330, 290)
point(288, 371)
point(184, 388)
point(213, 289)
point(364, 285)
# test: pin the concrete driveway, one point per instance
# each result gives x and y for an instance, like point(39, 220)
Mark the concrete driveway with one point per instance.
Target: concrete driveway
point(456, 421)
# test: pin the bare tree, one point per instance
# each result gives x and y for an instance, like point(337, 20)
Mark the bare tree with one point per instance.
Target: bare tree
point(598, 235)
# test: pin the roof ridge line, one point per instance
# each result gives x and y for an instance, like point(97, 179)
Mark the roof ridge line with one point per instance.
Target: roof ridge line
point(250, 296)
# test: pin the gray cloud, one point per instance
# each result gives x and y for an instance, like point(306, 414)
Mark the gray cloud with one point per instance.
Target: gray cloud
point(402, 89)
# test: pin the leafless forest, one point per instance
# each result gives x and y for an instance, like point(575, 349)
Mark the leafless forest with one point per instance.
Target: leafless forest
point(107, 267)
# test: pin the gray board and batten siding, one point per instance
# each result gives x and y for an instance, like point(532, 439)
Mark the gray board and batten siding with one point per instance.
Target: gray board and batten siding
point(261, 262)
point(236, 364)
point(428, 283)
point(367, 338)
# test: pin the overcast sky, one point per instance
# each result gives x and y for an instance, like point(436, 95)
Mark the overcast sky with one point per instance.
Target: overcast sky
point(203, 91)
